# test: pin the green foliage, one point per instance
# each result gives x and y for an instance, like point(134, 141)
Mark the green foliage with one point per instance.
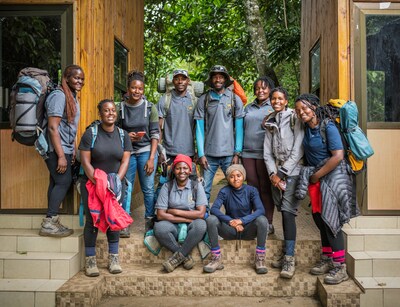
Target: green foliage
point(199, 34)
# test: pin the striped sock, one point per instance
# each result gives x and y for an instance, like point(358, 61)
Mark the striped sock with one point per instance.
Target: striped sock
point(339, 256)
point(216, 251)
point(260, 250)
point(327, 251)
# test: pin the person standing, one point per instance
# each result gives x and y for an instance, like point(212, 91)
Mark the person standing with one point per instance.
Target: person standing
point(330, 186)
point(62, 115)
point(219, 126)
point(253, 145)
point(283, 154)
point(109, 153)
point(139, 118)
point(175, 112)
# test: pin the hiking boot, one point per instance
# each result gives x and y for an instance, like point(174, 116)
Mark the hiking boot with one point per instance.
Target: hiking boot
point(215, 264)
point(277, 263)
point(323, 266)
point(261, 268)
point(51, 227)
point(337, 274)
point(113, 264)
point(148, 224)
point(173, 262)
point(188, 263)
point(288, 267)
point(125, 233)
point(271, 229)
point(91, 269)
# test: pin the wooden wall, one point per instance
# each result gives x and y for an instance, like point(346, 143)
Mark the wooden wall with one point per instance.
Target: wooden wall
point(320, 22)
point(24, 176)
point(98, 23)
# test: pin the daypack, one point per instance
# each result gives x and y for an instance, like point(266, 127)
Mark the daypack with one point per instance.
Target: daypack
point(356, 145)
point(27, 106)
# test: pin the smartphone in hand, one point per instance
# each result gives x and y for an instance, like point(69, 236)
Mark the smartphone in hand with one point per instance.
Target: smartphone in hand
point(141, 133)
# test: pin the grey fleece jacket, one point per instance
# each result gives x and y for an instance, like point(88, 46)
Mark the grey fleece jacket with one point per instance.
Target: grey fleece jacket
point(283, 148)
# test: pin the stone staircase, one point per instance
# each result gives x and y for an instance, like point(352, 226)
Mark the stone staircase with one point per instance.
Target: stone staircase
point(373, 247)
point(143, 275)
point(32, 267)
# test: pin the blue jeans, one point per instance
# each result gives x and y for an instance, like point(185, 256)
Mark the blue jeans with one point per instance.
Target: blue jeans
point(213, 164)
point(137, 162)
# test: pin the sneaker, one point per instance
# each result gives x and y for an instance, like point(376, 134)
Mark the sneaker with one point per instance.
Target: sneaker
point(288, 267)
point(215, 264)
point(188, 263)
point(91, 269)
point(337, 274)
point(125, 233)
point(261, 268)
point(113, 264)
point(271, 229)
point(173, 262)
point(277, 263)
point(51, 227)
point(323, 266)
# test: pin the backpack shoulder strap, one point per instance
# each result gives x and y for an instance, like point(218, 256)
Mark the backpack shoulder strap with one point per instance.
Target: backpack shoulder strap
point(322, 129)
point(94, 128)
point(292, 120)
point(194, 185)
point(121, 136)
point(167, 103)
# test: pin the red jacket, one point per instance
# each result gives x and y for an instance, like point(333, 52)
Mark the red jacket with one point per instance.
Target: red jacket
point(104, 208)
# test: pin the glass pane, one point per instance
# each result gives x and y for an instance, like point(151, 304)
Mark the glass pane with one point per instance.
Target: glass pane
point(120, 63)
point(383, 68)
point(27, 41)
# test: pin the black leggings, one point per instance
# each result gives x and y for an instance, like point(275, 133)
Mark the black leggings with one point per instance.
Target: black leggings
point(327, 237)
point(289, 225)
point(58, 184)
point(90, 231)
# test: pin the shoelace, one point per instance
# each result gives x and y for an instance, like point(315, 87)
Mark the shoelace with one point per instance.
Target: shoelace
point(321, 263)
point(114, 260)
point(286, 265)
point(91, 262)
point(334, 270)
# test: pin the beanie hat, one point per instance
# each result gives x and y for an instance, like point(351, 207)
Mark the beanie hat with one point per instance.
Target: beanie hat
point(236, 167)
point(182, 158)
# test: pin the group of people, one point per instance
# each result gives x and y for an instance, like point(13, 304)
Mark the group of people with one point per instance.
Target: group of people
point(265, 143)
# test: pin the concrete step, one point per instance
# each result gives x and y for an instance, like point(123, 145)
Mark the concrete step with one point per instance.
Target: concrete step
point(374, 264)
point(133, 251)
point(359, 240)
point(379, 291)
point(29, 221)
point(151, 280)
point(345, 294)
point(39, 265)
point(28, 292)
point(28, 240)
point(374, 222)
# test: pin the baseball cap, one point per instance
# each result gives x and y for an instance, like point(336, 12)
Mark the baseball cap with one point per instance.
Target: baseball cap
point(182, 72)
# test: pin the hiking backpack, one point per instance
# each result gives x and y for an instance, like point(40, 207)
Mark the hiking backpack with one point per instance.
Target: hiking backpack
point(27, 105)
point(356, 145)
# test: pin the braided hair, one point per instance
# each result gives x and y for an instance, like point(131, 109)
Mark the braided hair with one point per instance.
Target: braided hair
point(267, 81)
point(135, 75)
point(322, 112)
point(69, 98)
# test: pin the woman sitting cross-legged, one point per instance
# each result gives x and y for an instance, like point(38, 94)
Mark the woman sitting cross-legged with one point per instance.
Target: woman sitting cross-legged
point(181, 207)
point(244, 219)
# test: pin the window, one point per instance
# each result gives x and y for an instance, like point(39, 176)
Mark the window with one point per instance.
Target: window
point(382, 37)
point(315, 69)
point(32, 35)
point(120, 70)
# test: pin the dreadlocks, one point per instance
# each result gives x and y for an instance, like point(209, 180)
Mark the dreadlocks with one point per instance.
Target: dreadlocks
point(322, 112)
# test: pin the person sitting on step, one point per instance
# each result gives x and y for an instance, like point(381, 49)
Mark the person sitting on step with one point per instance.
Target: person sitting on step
point(243, 219)
point(181, 207)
